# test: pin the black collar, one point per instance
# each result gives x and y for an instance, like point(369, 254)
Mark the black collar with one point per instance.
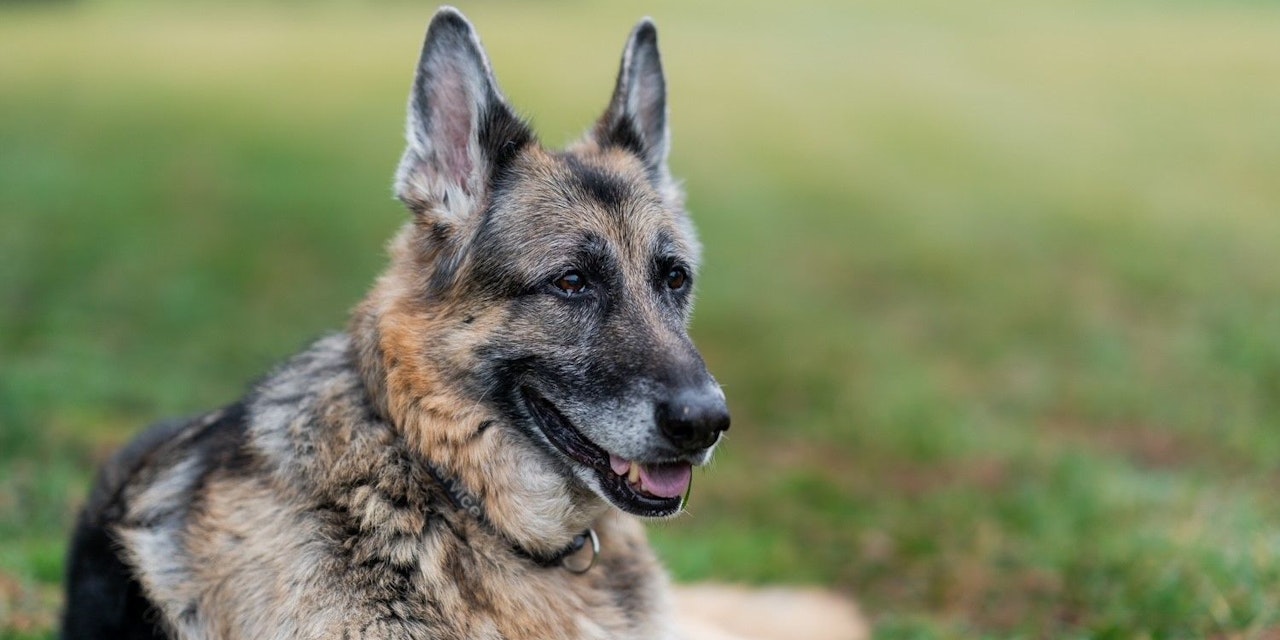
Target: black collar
point(463, 500)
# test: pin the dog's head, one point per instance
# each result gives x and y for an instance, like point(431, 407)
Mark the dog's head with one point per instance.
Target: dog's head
point(549, 291)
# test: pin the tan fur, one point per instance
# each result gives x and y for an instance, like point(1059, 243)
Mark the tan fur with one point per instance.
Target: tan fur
point(257, 559)
point(314, 507)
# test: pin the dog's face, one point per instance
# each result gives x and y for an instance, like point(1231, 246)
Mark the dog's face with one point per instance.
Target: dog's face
point(555, 288)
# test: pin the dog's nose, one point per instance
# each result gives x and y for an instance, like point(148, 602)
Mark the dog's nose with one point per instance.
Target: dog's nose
point(692, 418)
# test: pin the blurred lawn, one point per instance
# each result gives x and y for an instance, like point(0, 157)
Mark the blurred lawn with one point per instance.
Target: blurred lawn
point(994, 290)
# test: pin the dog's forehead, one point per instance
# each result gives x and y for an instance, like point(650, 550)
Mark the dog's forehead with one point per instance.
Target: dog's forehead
point(555, 200)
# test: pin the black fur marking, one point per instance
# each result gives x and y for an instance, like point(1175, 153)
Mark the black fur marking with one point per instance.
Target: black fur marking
point(621, 132)
point(502, 136)
point(598, 184)
point(447, 264)
point(598, 262)
point(440, 230)
point(664, 245)
point(104, 598)
point(220, 448)
point(366, 562)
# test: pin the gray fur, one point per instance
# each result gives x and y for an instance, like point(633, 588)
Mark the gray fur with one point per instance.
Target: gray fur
point(312, 508)
point(338, 532)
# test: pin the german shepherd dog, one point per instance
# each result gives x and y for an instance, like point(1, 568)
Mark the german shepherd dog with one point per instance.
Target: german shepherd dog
point(466, 460)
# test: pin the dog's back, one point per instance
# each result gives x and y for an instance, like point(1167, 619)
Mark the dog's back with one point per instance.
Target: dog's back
point(104, 598)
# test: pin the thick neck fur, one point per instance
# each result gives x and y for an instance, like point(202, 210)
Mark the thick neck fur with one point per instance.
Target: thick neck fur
point(412, 357)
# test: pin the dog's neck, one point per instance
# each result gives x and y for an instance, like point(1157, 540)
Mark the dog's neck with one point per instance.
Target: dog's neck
point(525, 498)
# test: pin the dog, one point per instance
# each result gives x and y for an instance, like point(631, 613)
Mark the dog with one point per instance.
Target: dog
point(472, 457)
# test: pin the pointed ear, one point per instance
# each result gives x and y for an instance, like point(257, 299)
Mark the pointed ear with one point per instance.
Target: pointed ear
point(461, 132)
point(636, 119)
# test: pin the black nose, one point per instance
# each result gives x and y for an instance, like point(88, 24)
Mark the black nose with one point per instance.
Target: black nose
point(693, 418)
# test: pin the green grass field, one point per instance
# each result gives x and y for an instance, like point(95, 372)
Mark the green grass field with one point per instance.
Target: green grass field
point(994, 290)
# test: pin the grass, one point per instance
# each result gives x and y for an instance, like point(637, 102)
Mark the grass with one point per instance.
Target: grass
point(994, 290)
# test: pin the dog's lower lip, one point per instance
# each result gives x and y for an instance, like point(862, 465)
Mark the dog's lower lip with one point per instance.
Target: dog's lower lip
point(564, 436)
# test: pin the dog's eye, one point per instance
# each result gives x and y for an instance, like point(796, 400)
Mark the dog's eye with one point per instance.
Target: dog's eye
point(572, 282)
point(677, 278)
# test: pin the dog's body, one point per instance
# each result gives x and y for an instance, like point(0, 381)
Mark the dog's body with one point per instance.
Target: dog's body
point(301, 514)
point(514, 390)
point(436, 472)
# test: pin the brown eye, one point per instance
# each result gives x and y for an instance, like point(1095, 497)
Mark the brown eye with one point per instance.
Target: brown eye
point(676, 278)
point(571, 283)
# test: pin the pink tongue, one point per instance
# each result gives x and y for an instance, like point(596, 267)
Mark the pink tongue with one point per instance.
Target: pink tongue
point(666, 480)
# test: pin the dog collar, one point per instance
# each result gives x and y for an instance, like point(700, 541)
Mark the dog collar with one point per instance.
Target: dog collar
point(464, 501)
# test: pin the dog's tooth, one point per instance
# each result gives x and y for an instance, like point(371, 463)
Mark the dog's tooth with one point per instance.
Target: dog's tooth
point(634, 476)
point(619, 465)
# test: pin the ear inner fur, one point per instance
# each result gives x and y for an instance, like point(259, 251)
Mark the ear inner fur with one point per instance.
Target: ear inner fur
point(461, 135)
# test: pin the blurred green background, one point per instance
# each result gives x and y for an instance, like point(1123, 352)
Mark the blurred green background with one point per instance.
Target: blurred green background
point(993, 287)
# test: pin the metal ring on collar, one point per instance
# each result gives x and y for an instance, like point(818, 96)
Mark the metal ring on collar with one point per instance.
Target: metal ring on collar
point(595, 553)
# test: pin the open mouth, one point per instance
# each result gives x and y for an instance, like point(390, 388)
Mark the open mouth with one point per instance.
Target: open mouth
point(649, 489)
